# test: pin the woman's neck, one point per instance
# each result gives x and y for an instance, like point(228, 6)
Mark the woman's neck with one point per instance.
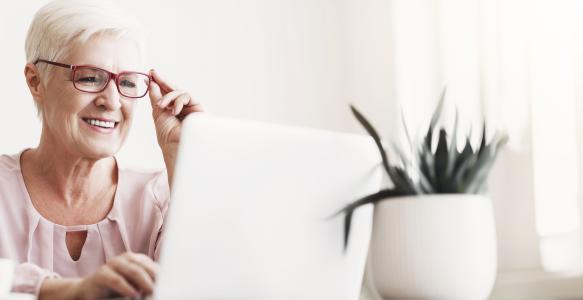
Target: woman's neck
point(73, 178)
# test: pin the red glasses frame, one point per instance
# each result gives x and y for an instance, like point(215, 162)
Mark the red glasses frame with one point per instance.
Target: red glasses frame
point(110, 75)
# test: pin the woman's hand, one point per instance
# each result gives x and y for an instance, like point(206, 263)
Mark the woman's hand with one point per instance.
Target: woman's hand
point(127, 275)
point(170, 106)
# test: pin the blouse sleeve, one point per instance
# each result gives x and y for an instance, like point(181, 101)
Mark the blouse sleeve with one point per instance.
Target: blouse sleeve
point(161, 192)
point(28, 278)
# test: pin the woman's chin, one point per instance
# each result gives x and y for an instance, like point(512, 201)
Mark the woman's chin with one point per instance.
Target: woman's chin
point(98, 152)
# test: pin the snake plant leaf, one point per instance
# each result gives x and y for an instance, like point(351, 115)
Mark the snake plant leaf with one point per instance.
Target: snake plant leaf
point(425, 184)
point(407, 135)
point(441, 160)
point(373, 133)
point(478, 176)
point(463, 156)
point(348, 210)
point(347, 225)
point(452, 157)
point(399, 179)
point(483, 141)
point(459, 178)
point(434, 119)
point(486, 161)
point(409, 187)
point(421, 170)
point(427, 164)
point(409, 170)
point(403, 158)
point(502, 141)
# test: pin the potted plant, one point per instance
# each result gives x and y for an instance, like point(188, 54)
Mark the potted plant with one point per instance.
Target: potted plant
point(433, 229)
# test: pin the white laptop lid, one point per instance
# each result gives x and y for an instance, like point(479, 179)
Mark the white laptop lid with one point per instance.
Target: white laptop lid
point(250, 208)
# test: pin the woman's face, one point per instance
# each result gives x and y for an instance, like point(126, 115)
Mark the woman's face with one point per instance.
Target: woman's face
point(67, 112)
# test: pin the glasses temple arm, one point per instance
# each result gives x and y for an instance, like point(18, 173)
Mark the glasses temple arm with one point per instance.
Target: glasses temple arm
point(53, 63)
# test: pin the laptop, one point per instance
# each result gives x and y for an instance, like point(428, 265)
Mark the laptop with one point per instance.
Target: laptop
point(250, 213)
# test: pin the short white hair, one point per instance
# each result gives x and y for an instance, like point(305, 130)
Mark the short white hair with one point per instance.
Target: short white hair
point(60, 25)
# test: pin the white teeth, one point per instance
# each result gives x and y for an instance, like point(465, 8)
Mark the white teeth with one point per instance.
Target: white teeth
point(100, 123)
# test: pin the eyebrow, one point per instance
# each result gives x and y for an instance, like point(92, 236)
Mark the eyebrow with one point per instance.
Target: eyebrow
point(108, 69)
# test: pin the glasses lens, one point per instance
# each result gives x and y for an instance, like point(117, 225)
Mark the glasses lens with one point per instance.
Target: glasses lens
point(90, 79)
point(133, 85)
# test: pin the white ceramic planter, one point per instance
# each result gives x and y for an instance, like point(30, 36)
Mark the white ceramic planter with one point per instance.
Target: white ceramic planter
point(434, 247)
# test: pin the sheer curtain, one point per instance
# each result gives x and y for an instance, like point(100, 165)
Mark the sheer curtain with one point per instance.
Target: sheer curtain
point(519, 64)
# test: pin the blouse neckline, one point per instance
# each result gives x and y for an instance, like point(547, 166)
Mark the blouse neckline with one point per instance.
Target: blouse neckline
point(112, 215)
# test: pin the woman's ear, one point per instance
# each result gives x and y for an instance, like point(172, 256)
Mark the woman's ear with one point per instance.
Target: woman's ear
point(34, 83)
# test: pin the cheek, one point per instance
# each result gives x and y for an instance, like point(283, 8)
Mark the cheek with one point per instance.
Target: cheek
point(60, 108)
point(66, 99)
point(128, 116)
point(127, 111)
point(65, 120)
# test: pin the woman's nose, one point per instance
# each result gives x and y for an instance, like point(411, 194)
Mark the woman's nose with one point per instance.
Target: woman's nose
point(110, 97)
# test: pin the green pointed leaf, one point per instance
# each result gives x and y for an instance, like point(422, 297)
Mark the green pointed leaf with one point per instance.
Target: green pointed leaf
point(463, 156)
point(452, 157)
point(484, 160)
point(441, 161)
point(373, 133)
point(479, 177)
point(427, 165)
point(483, 142)
point(400, 180)
point(348, 210)
point(501, 139)
point(409, 142)
point(426, 186)
point(408, 185)
point(462, 172)
point(434, 119)
point(347, 225)
point(402, 157)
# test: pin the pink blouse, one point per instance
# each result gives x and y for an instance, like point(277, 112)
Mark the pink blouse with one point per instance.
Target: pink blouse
point(38, 246)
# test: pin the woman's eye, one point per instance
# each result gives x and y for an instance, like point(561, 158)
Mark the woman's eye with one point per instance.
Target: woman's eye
point(127, 83)
point(87, 79)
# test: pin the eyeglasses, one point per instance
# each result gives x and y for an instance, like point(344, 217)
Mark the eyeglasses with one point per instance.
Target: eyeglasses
point(92, 79)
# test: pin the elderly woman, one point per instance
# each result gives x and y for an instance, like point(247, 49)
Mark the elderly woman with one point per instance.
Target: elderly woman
point(79, 224)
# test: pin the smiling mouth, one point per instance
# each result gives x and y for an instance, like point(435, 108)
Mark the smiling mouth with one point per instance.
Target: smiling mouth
point(100, 123)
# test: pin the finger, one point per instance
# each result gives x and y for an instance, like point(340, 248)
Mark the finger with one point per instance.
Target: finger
point(117, 283)
point(177, 107)
point(190, 109)
point(164, 84)
point(134, 273)
point(188, 100)
point(146, 262)
point(187, 110)
point(166, 99)
point(184, 100)
point(154, 93)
